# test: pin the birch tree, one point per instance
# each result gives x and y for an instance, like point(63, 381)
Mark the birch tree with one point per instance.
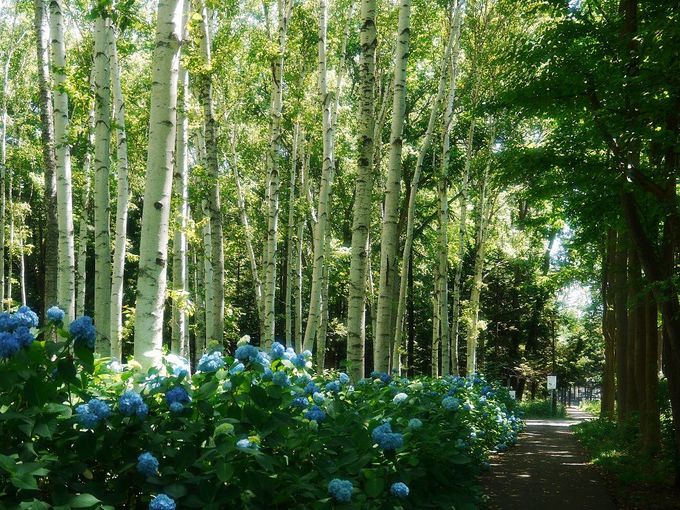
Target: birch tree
point(213, 208)
point(290, 228)
point(66, 270)
point(42, 36)
point(361, 221)
point(390, 235)
point(102, 208)
point(151, 283)
point(117, 279)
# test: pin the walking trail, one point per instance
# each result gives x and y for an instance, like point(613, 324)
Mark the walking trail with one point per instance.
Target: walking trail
point(546, 470)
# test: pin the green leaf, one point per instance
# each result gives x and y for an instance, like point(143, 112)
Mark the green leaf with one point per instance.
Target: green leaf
point(175, 490)
point(224, 471)
point(374, 486)
point(85, 355)
point(83, 501)
point(24, 481)
point(7, 463)
point(207, 389)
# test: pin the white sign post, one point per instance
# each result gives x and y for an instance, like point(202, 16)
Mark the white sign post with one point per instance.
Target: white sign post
point(513, 394)
point(552, 382)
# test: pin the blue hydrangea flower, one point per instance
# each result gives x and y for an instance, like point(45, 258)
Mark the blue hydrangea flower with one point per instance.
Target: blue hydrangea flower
point(303, 380)
point(307, 354)
point(340, 490)
point(180, 366)
point(24, 336)
point(263, 360)
point(333, 386)
point(318, 398)
point(385, 378)
point(147, 464)
point(343, 378)
point(227, 386)
point(100, 408)
point(311, 388)
point(55, 314)
point(131, 403)
point(162, 502)
point(289, 354)
point(399, 489)
point(246, 443)
point(26, 317)
point(414, 424)
point(82, 330)
point(300, 402)
point(246, 353)
point(281, 379)
point(211, 362)
point(299, 361)
point(450, 403)
point(9, 345)
point(267, 374)
point(86, 417)
point(237, 368)
point(277, 351)
point(315, 413)
point(399, 398)
point(386, 439)
point(176, 398)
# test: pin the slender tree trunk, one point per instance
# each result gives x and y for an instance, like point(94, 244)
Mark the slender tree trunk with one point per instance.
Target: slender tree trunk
point(651, 427)
point(415, 181)
point(475, 294)
point(444, 228)
point(248, 237)
point(208, 275)
point(635, 327)
point(389, 240)
point(180, 192)
point(214, 209)
point(435, 329)
point(608, 328)
point(66, 272)
point(621, 313)
point(304, 188)
point(151, 284)
point(83, 230)
point(290, 241)
point(49, 160)
point(117, 279)
point(273, 177)
point(364, 188)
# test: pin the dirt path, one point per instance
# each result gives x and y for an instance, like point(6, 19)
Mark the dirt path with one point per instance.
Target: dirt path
point(546, 471)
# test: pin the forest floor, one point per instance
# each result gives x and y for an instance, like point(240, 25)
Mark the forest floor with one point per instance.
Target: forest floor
point(546, 470)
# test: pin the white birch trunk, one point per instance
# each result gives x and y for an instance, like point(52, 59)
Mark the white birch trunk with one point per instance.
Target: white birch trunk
point(66, 271)
point(180, 192)
point(151, 284)
point(214, 209)
point(435, 331)
point(290, 241)
point(208, 270)
point(304, 189)
point(361, 221)
point(397, 362)
point(389, 239)
point(122, 200)
point(324, 315)
point(324, 189)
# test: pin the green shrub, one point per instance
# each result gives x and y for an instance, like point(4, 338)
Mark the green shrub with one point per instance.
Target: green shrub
point(264, 431)
point(541, 409)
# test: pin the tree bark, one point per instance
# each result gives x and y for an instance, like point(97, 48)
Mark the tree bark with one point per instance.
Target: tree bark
point(122, 199)
point(290, 240)
point(608, 327)
point(364, 188)
point(621, 313)
point(389, 239)
point(66, 272)
point(49, 160)
point(151, 283)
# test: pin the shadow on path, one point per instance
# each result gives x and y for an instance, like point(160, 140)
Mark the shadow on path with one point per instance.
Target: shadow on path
point(546, 470)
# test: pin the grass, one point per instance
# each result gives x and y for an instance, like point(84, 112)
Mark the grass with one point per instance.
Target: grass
point(541, 409)
point(590, 406)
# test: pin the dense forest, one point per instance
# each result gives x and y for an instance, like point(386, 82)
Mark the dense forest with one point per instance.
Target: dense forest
point(415, 188)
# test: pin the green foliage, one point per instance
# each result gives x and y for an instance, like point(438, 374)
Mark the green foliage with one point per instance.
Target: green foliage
point(50, 456)
point(541, 409)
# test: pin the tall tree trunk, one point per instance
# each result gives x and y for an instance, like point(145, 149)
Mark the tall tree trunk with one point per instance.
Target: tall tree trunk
point(153, 249)
point(273, 177)
point(621, 313)
point(389, 239)
point(208, 276)
point(361, 221)
point(322, 330)
point(290, 240)
point(435, 329)
point(83, 229)
point(651, 427)
point(415, 181)
point(102, 206)
point(49, 160)
point(304, 189)
point(608, 327)
point(122, 199)
point(444, 228)
point(635, 328)
point(180, 193)
point(214, 209)
point(66, 271)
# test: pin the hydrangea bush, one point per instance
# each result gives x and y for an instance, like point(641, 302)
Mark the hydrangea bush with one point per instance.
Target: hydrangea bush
point(257, 430)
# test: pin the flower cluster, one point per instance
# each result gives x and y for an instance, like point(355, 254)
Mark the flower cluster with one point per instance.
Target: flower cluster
point(340, 490)
point(450, 403)
point(130, 403)
point(315, 413)
point(83, 332)
point(162, 502)
point(386, 439)
point(399, 489)
point(177, 398)
point(280, 378)
point(147, 464)
point(211, 362)
point(55, 315)
point(89, 415)
point(15, 331)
